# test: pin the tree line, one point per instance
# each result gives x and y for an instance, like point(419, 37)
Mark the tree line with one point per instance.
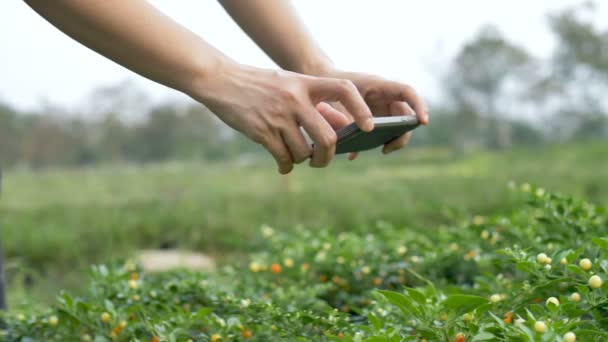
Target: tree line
point(495, 94)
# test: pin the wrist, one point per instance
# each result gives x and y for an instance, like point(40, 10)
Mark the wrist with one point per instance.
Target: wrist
point(319, 67)
point(208, 76)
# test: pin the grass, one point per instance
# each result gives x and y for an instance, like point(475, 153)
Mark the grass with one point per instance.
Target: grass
point(57, 222)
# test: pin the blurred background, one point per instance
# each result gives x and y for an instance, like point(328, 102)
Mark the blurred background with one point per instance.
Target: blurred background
point(100, 163)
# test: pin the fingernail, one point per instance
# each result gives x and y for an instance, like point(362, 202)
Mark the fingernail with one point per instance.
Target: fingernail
point(426, 118)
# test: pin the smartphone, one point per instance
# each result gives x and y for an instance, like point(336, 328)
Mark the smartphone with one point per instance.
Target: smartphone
point(386, 129)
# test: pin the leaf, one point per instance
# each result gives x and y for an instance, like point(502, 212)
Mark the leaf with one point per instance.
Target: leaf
point(526, 266)
point(416, 295)
point(483, 336)
point(601, 242)
point(463, 303)
point(375, 322)
point(401, 301)
point(108, 305)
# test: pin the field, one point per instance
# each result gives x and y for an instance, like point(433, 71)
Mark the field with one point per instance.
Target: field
point(391, 221)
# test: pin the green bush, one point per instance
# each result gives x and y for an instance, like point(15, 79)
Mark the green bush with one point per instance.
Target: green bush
point(514, 277)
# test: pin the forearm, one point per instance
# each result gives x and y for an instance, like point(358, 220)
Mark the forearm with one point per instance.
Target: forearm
point(136, 35)
point(276, 28)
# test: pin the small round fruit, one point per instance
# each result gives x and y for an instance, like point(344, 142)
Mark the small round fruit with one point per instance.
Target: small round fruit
point(585, 264)
point(595, 282)
point(133, 284)
point(467, 317)
point(552, 300)
point(575, 297)
point(540, 327)
point(53, 320)
point(246, 333)
point(541, 258)
point(216, 337)
point(495, 298)
point(275, 268)
point(459, 337)
point(105, 317)
point(563, 261)
point(569, 337)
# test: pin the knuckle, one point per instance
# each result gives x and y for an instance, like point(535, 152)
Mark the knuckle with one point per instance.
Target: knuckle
point(328, 140)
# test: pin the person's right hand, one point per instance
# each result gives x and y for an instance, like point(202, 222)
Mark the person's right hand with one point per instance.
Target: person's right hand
point(270, 106)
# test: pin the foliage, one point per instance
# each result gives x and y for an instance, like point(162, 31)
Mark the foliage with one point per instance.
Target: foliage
point(506, 277)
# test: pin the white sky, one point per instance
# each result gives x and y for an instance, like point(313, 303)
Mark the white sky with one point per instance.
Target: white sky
point(401, 39)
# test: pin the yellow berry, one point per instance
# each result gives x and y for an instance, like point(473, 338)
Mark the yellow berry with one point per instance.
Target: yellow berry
point(595, 282)
point(552, 300)
point(53, 320)
point(136, 298)
point(216, 337)
point(85, 338)
point(365, 270)
point(402, 250)
point(467, 317)
point(133, 284)
point(105, 317)
point(540, 327)
point(585, 264)
point(569, 337)
point(564, 261)
point(485, 234)
point(288, 262)
point(254, 267)
point(495, 298)
point(541, 258)
point(122, 324)
point(575, 297)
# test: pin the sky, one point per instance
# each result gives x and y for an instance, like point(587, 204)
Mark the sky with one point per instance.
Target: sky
point(405, 40)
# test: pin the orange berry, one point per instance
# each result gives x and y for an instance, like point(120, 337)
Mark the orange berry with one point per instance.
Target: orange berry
point(340, 335)
point(460, 338)
point(134, 276)
point(508, 318)
point(275, 268)
point(216, 338)
point(155, 339)
point(246, 333)
point(377, 281)
point(305, 267)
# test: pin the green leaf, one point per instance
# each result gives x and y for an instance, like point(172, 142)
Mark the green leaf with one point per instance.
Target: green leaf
point(483, 336)
point(463, 303)
point(375, 322)
point(600, 242)
point(526, 266)
point(108, 305)
point(401, 301)
point(416, 295)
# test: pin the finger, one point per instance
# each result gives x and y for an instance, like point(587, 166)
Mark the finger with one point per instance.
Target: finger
point(299, 149)
point(400, 92)
point(279, 151)
point(329, 89)
point(398, 108)
point(334, 117)
point(324, 137)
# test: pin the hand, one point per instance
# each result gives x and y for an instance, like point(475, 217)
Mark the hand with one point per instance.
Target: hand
point(384, 98)
point(270, 107)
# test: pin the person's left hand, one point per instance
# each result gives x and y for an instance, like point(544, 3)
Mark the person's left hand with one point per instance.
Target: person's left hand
point(384, 98)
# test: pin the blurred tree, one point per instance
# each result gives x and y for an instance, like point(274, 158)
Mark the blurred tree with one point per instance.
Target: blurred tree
point(485, 73)
point(576, 85)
